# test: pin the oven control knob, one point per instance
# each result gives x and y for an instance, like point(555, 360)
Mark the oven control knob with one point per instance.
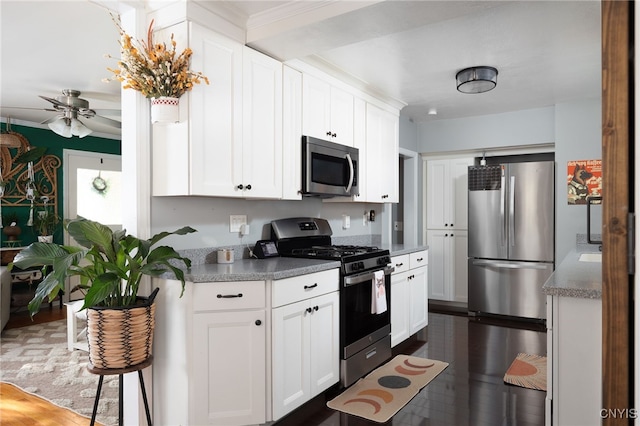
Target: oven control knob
point(357, 266)
point(384, 260)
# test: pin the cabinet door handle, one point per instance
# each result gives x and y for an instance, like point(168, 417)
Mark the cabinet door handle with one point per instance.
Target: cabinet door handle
point(258, 322)
point(308, 310)
point(315, 308)
point(241, 186)
point(333, 135)
point(451, 225)
point(228, 296)
point(308, 287)
point(249, 187)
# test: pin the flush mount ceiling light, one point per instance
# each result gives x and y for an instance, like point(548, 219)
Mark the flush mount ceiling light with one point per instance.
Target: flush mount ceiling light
point(476, 79)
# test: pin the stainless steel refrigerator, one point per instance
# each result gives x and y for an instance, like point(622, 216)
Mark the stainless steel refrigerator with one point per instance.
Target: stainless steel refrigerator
point(511, 238)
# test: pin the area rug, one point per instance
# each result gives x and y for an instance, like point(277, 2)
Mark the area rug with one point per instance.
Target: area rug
point(35, 358)
point(528, 371)
point(387, 389)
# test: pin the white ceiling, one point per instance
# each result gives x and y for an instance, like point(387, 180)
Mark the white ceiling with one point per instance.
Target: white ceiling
point(546, 52)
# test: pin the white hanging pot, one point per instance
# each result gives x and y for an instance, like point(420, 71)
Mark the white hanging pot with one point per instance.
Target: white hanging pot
point(165, 110)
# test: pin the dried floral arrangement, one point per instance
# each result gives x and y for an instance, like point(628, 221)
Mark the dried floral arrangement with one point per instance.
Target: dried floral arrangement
point(153, 69)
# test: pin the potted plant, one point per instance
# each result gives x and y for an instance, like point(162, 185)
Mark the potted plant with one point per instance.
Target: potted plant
point(45, 223)
point(10, 226)
point(156, 71)
point(110, 265)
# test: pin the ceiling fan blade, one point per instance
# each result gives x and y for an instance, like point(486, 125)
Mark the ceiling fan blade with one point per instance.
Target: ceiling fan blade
point(33, 109)
point(110, 112)
point(53, 101)
point(52, 119)
point(104, 120)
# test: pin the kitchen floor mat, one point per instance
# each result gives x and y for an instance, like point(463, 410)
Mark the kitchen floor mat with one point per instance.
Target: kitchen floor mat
point(528, 371)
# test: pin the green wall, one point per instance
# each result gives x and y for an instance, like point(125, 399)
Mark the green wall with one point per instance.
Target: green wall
point(55, 145)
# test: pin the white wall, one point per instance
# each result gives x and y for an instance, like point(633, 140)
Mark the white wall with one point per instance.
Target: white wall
point(210, 216)
point(574, 127)
point(578, 137)
point(527, 127)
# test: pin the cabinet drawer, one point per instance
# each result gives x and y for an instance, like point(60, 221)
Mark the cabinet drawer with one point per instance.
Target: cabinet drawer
point(418, 259)
point(400, 263)
point(303, 287)
point(228, 295)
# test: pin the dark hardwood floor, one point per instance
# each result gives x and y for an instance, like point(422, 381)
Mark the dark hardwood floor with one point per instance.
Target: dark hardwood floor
point(470, 391)
point(20, 316)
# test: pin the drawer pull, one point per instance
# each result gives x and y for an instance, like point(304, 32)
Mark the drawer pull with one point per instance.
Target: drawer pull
point(229, 296)
point(308, 287)
point(422, 258)
point(258, 322)
point(399, 265)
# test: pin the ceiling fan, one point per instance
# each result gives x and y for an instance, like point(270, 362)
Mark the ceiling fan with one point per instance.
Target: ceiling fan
point(71, 106)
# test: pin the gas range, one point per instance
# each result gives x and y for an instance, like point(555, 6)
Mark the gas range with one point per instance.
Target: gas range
point(311, 238)
point(365, 340)
point(354, 259)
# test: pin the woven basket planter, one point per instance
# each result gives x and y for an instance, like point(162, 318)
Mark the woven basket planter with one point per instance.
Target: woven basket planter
point(121, 337)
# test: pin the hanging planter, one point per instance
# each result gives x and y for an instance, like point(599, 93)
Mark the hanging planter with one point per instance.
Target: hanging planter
point(165, 109)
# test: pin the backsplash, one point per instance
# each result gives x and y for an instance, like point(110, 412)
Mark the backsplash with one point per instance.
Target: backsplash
point(209, 255)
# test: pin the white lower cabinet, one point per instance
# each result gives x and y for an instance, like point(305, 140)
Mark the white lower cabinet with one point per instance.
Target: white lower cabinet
point(210, 348)
point(574, 368)
point(448, 269)
point(228, 356)
point(409, 295)
point(305, 339)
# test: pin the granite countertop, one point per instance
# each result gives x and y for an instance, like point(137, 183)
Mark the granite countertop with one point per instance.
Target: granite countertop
point(573, 278)
point(255, 269)
point(400, 249)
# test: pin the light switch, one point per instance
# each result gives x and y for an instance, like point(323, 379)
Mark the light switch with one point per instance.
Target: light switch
point(346, 221)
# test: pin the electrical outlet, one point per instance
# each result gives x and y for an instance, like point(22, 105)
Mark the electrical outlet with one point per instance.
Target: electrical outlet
point(236, 221)
point(397, 226)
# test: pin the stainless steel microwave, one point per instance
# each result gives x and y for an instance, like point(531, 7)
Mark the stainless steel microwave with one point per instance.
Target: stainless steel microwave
point(328, 169)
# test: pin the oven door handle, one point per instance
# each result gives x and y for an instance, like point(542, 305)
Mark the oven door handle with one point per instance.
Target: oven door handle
point(367, 276)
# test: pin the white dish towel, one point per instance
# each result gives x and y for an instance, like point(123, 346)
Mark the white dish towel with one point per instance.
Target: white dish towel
point(378, 294)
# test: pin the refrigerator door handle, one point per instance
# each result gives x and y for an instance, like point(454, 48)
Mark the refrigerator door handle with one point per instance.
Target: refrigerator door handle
point(512, 211)
point(503, 222)
point(510, 265)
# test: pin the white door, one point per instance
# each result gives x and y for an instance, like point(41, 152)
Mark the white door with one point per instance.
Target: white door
point(92, 189)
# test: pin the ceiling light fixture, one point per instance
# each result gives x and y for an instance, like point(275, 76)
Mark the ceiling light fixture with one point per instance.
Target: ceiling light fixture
point(432, 111)
point(69, 125)
point(476, 79)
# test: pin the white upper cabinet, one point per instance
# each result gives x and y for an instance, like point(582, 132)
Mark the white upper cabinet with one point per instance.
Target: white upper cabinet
point(291, 134)
point(215, 116)
point(327, 111)
point(262, 130)
point(229, 129)
point(381, 156)
point(447, 193)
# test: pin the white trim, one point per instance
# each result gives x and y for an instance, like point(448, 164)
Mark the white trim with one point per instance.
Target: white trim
point(410, 197)
point(492, 152)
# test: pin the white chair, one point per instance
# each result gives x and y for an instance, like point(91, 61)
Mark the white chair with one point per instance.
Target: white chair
point(5, 296)
point(76, 319)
